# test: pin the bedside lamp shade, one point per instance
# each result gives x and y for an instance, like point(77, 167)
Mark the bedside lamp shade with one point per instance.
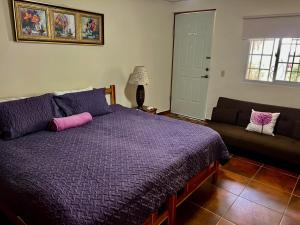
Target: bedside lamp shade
point(139, 76)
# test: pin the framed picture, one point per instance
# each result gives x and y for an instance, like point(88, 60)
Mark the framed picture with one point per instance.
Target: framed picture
point(91, 28)
point(40, 22)
point(64, 25)
point(32, 21)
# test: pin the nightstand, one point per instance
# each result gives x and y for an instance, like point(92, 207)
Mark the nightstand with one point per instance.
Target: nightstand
point(145, 109)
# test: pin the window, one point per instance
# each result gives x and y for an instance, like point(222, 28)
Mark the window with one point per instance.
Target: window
point(274, 60)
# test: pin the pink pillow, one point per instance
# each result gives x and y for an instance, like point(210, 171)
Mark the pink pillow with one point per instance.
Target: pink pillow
point(60, 124)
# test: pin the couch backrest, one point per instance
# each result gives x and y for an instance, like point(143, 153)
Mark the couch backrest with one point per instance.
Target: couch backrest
point(285, 123)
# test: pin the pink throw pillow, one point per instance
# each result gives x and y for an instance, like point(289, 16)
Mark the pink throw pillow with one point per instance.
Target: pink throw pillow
point(60, 124)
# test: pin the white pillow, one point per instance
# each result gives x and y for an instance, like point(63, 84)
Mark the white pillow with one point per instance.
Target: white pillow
point(57, 93)
point(262, 122)
point(11, 99)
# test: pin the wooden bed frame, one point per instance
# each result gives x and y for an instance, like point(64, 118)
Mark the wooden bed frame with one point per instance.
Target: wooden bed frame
point(112, 92)
point(173, 201)
point(169, 211)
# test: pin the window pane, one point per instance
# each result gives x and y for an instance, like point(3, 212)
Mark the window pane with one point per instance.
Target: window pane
point(289, 67)
point(298, 50)
point(286, 40)
point(287, 76)
point(263, 75)
point(257, 46)
point(255, 61)
point(251, 47)
point(268, 46)
point(284, 53)
point(293, 49)
point(294, 73)
point(253, 74)
point(281, 71)
point(297, 60)
point(295, 68)
point(265, 62)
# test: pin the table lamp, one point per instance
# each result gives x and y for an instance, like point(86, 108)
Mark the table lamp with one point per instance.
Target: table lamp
point(140, 78)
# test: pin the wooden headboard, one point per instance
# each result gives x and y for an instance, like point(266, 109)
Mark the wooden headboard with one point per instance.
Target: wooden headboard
point(112, 92)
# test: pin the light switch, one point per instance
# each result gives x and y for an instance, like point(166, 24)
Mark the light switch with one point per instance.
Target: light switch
point(223, 73)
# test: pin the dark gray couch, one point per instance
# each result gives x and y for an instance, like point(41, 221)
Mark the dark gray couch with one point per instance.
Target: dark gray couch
point(230, 118)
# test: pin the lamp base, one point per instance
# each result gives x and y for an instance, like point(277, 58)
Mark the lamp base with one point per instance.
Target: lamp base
point(140, 96)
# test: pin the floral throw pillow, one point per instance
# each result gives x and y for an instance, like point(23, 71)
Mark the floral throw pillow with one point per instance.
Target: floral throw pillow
point(262, 122)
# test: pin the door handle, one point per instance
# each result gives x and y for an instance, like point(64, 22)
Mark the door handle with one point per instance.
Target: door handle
point(205, 76)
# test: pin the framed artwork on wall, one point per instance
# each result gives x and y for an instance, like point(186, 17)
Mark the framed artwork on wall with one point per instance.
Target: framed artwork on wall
point(64, 25)
point(90, 28)
point(39, 22)
point(32, 22)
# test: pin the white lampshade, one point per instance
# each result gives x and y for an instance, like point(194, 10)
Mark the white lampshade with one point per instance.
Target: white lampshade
point(139, 76)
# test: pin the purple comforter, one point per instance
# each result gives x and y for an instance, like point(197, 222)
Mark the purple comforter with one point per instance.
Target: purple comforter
point(116, 170)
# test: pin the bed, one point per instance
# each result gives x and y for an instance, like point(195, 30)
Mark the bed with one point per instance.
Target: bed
point(126, 167)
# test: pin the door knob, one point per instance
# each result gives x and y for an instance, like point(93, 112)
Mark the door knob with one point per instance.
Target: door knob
point(205, 76)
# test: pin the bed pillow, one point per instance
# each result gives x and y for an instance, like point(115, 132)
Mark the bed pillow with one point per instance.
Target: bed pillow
point(262, 122)
point(57, 93)
point(11, 99)
point(25, 116)
point(224, 115)
point(64, 123)
point(93, 101)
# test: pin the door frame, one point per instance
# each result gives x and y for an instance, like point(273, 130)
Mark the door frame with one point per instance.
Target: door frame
point(173, 47)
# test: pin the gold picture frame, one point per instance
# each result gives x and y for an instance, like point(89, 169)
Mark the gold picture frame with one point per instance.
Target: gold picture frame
point(64, 25)
point(90, 29)
point(40, 22)
point(32, 22)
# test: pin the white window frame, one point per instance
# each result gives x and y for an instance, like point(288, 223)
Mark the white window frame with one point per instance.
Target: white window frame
point(274, 81)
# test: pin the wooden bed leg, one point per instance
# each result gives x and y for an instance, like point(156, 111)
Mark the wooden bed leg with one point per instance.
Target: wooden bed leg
point(215, 175)
point(172, 210)
point(153, 218)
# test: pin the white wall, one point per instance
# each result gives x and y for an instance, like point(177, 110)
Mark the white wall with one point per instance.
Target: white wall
point(230, 51)
point(137, 32)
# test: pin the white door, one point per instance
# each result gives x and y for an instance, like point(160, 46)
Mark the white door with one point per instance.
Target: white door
point(191, 63)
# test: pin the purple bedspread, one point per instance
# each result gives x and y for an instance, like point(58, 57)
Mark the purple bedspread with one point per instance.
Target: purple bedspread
point(116, 170)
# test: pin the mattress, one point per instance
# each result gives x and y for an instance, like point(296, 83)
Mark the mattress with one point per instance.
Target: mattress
point(116, 170)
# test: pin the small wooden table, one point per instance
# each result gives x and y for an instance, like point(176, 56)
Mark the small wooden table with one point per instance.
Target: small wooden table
point(146, 109)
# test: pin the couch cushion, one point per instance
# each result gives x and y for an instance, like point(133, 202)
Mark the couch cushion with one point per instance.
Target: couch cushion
point(224, 115)
point(278, 147)
point(296, 131)
point(284, 127)
point(243, 118)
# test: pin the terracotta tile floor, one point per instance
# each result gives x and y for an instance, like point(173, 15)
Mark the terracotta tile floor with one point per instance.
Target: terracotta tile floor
point(255, 197)
point(246, 193)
